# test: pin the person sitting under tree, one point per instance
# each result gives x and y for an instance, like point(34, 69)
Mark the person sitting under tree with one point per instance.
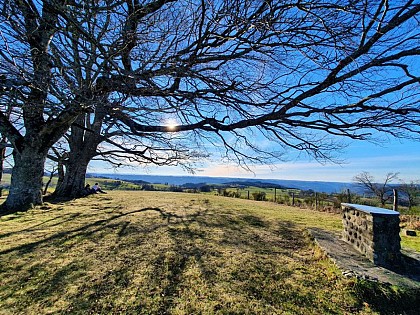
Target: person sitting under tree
point(97, 189)
point(87, 190)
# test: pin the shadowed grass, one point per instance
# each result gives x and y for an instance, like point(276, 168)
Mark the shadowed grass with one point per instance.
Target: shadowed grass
point(167, 253)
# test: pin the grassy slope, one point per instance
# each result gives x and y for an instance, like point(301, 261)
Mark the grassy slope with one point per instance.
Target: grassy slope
point(106, 184)
point(287, 212)
point(156, 253)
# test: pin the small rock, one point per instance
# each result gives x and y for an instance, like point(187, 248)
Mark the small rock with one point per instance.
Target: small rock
point(410, 233)
point(348, 274)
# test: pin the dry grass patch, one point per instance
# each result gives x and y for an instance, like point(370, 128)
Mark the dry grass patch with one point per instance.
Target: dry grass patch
point(167, 253)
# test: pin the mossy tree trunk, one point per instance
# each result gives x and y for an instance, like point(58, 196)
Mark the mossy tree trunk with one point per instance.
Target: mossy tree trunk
point(26, 181)
point(83, 142)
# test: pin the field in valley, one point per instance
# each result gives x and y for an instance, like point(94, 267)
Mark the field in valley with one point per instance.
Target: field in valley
point(138, 252)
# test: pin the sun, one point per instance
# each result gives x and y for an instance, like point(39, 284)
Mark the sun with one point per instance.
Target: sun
point(171, 124)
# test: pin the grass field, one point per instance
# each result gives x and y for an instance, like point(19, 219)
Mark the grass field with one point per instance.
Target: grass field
point(106, 184)
point(168, 253)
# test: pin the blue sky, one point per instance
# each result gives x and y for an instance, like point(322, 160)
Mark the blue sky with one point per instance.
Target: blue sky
point(395, 155)
point(292, 74)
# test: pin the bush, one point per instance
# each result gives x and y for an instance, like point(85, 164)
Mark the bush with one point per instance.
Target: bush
point(235, 194)
point(174, 188)
point(148, 187)
point(259, 196)
point(206, 188)
point(225, 193)
point(285, 199)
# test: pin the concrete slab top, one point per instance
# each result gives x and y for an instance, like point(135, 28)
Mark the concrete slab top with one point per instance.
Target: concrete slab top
point(369, 209)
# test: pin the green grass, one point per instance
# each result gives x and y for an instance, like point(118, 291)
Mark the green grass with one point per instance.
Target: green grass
point(269, 192)
point(111, 184)
point(167, 253)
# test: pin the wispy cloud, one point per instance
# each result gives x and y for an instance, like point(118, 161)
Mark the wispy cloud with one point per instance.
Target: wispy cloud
point(407, 165)
point(360, 157)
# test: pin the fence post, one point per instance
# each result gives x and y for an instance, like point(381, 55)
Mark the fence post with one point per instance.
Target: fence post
point(293, 198)
point(395, 206)
point(275, 195)
point(248, 194)
point(348, 196)
point(316, 201)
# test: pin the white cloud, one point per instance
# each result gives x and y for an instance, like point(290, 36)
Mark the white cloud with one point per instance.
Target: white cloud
point(407, 165)
point(359, 157)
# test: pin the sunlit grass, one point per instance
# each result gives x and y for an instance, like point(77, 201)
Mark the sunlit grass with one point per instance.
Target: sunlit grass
point(169, 253)
point(410, 242)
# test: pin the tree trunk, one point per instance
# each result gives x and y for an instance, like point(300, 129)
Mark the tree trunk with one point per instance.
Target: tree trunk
point(73, 182)
point(83, 143)
point(2, 157)
point(60, 171)
point(26, 182)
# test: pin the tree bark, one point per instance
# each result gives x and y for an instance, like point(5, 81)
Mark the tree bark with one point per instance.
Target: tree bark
point(26, 182)
point(2, 156)
point(83, 142)
point(74, 179)
point(60, 171)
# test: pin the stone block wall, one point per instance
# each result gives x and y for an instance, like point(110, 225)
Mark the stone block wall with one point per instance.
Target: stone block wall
point(374, 232)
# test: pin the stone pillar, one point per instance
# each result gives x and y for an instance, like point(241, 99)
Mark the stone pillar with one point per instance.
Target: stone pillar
point(374, 232)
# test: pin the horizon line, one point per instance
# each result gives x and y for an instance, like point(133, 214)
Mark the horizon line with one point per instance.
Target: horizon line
point(227, 177)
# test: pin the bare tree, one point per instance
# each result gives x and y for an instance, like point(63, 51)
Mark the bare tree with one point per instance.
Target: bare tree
point(381, 190)
point(300, 74)
point(93, 135)
point(295, 83)
point(412, 191)
point(29, 31)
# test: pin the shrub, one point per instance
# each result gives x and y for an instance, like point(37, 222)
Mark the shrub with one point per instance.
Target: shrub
point(206, 188)
point(259, 196)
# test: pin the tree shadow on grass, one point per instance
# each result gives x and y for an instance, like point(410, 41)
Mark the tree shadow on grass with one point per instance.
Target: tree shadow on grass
point(195, 245)
point(31, 276)
point(148, 264)
point(59, 221)
point(85, 230)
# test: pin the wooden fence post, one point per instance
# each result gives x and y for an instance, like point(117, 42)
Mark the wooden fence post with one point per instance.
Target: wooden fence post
point(348, 196)
point(293, 198)
point(395, 206)
point(275, 194)
point(248, 194)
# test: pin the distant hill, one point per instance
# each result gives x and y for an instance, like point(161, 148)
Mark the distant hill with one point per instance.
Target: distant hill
point(140, 182)
point(318, 186)
point(194, 185)
point(107, 176)
point(257, 183)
